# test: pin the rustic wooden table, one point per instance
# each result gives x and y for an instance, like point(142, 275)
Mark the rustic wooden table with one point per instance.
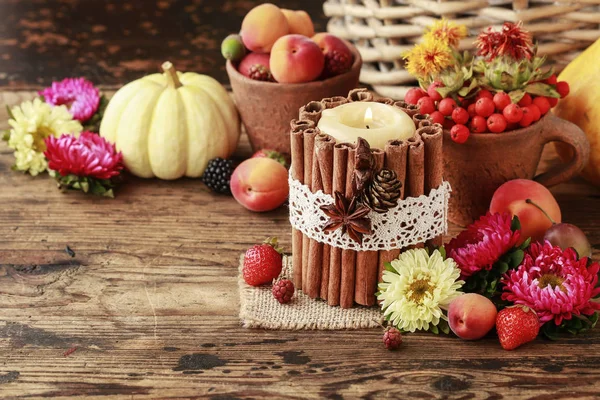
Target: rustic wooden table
point(148, 306)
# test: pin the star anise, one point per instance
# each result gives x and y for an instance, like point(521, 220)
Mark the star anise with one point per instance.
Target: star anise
point(349, 215)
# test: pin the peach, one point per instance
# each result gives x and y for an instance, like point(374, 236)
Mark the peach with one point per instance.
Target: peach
point(296, 59)
point(471, 316)
point(262, 26)
point(251, 60)
point(512, 197)
point(260, 184)
point(338, 57)
point(299, 22)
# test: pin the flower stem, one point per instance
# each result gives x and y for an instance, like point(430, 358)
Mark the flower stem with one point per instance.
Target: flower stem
point(170, 70)
point(533, 203)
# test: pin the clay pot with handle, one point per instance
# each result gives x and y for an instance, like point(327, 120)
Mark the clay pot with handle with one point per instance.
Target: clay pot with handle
point(475, 169)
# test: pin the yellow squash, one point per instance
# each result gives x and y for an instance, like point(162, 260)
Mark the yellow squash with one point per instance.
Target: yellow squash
point(582, 105)
point(170, 125)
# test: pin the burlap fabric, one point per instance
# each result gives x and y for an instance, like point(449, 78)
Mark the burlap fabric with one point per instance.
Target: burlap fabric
point(259, 309)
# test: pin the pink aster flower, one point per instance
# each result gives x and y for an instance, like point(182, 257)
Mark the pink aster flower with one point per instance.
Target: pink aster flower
point(89, 155)
point(554, 283)
point(483, 243)
point(80, 96)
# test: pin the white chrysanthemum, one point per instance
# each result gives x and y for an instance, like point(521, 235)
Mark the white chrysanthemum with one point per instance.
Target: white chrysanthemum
point(32, 122)
point(420, 286)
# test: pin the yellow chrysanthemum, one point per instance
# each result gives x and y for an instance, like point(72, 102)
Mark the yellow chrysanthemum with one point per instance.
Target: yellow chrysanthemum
point(428, 59)
point(32, 122)
point(420, 286)
point(446, 32)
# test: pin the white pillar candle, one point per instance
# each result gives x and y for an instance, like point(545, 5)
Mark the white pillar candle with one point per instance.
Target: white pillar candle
point(377, 123)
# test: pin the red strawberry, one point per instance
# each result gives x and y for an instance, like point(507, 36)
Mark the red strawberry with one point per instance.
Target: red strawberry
point(516, 326)
point(266, 153)
point(262, 263)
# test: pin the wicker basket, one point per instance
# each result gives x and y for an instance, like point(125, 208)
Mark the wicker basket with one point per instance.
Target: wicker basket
point(384, 29)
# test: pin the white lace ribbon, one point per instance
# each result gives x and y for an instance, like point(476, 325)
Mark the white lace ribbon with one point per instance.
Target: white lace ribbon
point(414, 220)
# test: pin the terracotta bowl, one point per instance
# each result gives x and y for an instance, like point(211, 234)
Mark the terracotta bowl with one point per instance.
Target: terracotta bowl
point(267, 108)
point(475, 169)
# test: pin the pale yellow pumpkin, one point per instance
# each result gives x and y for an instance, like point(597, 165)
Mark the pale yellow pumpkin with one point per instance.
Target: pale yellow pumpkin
point(170, 125)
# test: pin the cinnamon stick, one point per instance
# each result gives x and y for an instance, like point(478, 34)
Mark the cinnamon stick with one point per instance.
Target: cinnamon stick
point(315, 248)
point(367, 267)
point(396, 159)
point(340, 163)
point(410, 109)
point(332, 102)
point(360, 94)
point(415, 181)
point(324, 149)
point(301, 125)
point(419, 118)
point(348, 256)
point(297, 171)
point(432, 137)
point(308, 150)
point(312, 111)
point(384, 100)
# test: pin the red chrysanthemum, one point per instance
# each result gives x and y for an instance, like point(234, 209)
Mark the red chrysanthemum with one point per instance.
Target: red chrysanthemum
point(554, 283)
point(483, 243)
point(512, 40)
point(88, 155)
point(80, 96)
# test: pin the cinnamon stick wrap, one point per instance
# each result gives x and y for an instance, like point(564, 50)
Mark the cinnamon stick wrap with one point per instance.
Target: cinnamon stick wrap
point(321, 161)
point(340, 164)
point(367, 266)
point(332, 102)
point(297, 172)
point(312, 111)
point(360, 94)
point(396, 159)
point(309, 145)
point(432, 137)
point(348, 256)
point(410, 109)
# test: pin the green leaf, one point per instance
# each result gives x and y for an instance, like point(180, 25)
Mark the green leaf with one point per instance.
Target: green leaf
point(9, 112)
point(444, 327)
point(516, 258)
point(542, 89)
point(93, 124)
point(388, 267)
point(525, 244)
point(515, 225)
point(434, 329)
point(6, 136)
point(516, 95)
point(501, 267)
point(442, 251)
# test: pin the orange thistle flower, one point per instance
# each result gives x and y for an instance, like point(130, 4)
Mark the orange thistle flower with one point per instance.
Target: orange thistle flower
point(512, 40)
point(446, 32)
point(428, 59)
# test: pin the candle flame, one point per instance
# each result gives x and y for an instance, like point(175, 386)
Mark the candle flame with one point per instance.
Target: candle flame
point(368, 116)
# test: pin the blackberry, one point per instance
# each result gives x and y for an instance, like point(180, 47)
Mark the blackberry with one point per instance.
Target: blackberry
point(217, 175)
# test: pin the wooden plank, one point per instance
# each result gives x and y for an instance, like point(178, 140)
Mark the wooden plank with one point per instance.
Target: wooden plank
point(148, 307)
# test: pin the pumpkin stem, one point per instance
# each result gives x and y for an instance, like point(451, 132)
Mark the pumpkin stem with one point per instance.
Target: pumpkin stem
point(170, 70)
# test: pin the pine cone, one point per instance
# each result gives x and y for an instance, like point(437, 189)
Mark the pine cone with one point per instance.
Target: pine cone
point(383, 192)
